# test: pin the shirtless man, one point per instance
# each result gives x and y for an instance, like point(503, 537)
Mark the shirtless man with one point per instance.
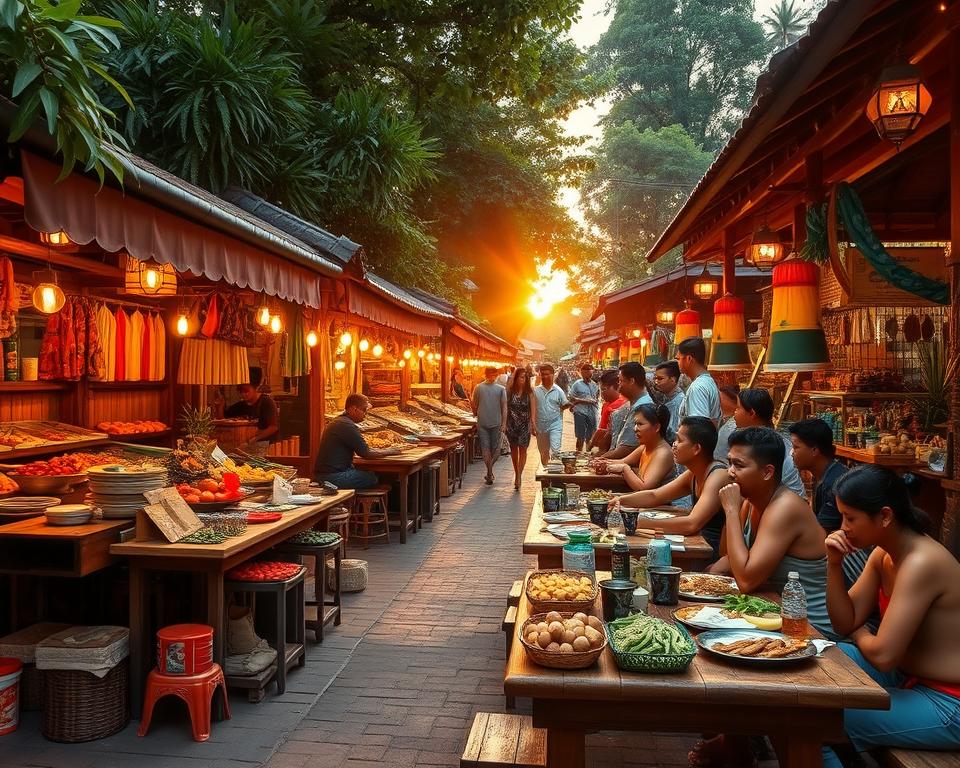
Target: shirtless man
point(915, 582)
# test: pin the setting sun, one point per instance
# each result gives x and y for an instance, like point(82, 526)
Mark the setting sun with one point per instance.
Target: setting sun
point(549, 289)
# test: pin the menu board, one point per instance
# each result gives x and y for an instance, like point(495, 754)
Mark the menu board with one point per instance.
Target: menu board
point(868, 288)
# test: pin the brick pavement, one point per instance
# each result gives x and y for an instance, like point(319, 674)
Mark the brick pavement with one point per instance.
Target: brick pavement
point(396, 685)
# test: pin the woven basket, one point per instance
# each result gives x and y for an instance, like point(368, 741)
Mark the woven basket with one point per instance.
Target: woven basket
point(79, 706)
point(553, 659)
point(31, 688)
point(353, 575)
point(645, 662)
point(573, 606)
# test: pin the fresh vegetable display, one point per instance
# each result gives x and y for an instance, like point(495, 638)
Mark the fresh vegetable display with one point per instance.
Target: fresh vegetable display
point(265, 570)
point(315, 538)
point(206, 491)
point(205, 535)
point(649, 635)
point(746, 605)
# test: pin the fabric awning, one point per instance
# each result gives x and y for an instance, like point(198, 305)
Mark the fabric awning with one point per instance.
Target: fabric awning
point(365, 303)
point(118, 221)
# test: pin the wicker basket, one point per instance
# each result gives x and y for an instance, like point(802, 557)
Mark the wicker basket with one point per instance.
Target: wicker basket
point(573, 606)
point(353, 575)
point(554, 660)
point(79, 706)
point(31, 688)
point(661, 662)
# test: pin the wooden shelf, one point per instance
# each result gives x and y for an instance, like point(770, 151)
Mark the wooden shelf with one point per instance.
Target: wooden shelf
point(823, 395)
point(34, 386)
point(138, 437)
point(128, 385)
point(45, 450)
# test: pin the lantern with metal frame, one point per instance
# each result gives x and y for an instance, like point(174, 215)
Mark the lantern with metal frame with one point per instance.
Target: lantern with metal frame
point(47, 297)
point(706, 287)
point(766, 250)
point(898, 103)
point(666, 316)
point(55, 238)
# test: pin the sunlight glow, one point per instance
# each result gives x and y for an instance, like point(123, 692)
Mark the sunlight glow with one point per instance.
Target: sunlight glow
point(549, 289)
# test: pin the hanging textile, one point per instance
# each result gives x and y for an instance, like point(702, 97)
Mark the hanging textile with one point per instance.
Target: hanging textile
point(233, 320)
point(298, 353)
point(9, 301)
point(160, 347)
point(94, 362)
point(210, 317)
point(121, 356)
point(107, 331)
point(146, 355)
point(134, 343)
point(211, 361)
point(49, 365)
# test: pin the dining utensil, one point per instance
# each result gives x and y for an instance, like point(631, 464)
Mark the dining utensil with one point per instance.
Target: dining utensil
point(616, 595)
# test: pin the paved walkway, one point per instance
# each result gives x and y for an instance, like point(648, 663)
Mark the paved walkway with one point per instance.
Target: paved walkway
point(396, 685)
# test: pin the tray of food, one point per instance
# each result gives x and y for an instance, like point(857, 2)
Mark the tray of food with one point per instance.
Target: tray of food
point(563, 640)
point(706, 586)
point(737, 612)
point(559, 590)
point(642, 643)
point(755, 646)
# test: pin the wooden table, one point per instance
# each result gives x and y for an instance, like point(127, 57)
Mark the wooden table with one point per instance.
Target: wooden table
point(406, 468)
point(587, 480)
point(797, 706)
point(548, 548)
point(210, 560)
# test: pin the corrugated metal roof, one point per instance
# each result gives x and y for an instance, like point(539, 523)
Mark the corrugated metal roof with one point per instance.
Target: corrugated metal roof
point(402, 296)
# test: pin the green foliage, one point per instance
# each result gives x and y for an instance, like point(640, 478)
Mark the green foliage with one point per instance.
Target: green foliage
point(785, 23)
point(938, 372)
point(51, 63)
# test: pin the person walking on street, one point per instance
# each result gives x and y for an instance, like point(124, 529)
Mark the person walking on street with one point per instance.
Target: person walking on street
point(521, 421)
point(551, 402)
point(490, 407)
point(585, 396)
point(563, 379)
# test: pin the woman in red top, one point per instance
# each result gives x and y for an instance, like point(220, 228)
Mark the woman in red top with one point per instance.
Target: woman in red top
point(916, 584)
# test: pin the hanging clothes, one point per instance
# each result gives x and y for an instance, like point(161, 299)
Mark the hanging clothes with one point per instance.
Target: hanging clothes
point(233, 321)
point(79, 365)
point(68, 343)
point(134, 346)
point(107, 331)
point(160, 348)
point(121, 357)
point(49, 365)
point(146, 354)
point(211, 319)
point(9, 299)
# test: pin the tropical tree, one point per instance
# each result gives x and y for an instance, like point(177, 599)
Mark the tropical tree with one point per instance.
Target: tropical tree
point(785, 23)
point(51, 64)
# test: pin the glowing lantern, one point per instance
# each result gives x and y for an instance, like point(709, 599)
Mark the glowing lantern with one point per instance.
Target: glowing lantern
point(430, 357)
point(449, 358)
point(55, 238)
point(666, 316)
point(706, 287)
point(47, 296)
point(263, 315)
point(346, 339)
point(312, 339)
point(377, 350)
point(898, 103)
point(421, 354)
point(728, 348)
point(275, 325)
point(407, 354)
point(797, 341)
point(688, 325)
point(765, 249)
point(402, 364)
point(339, 365)
point(183, 325)
point(364, 345)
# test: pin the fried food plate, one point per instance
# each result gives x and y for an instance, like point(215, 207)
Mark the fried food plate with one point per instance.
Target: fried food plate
point(707, 579)
point(718, 639)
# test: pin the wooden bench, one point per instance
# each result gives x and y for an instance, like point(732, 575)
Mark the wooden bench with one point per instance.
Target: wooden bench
point(509, 627)
point(905, 758)
point(504, 741)
point(513, 597)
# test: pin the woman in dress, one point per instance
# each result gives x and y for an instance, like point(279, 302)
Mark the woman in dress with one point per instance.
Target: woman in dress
point(915, 582)
point(653, 457)
point(521, 421)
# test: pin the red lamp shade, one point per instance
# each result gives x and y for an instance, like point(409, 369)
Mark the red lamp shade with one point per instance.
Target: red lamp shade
point(797, 341)
point(688, 325)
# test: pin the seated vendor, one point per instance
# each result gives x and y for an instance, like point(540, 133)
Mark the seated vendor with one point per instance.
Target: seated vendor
point(342, 440)
point(702, 480)
point(254, 404)
point(915, 582)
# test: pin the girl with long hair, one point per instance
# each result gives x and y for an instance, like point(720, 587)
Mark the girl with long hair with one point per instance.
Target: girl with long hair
point(521, 420)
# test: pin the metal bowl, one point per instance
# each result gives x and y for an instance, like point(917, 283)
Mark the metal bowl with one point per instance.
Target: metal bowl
point(45, 485)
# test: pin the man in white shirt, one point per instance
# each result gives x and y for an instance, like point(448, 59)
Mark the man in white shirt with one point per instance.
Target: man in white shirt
point(551, 402)
point(702, 397)
point(633, 386)
point(585, 397)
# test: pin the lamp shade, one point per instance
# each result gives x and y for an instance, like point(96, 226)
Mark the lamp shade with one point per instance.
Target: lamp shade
point(688, 325)
point(728, 348)
point(797, 341)
point(898, 103)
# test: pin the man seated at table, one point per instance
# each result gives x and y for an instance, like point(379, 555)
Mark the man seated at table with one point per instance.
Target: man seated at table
point(633, 386)
point(666, 378)
point(342, 440)
point(755, 409)
point(703, 479)
point(612, 402)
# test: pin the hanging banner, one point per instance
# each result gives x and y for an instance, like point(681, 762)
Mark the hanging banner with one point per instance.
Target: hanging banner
point(869, 288)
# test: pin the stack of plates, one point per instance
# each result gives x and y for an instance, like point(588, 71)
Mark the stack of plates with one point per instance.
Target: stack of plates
point(118, 490)
point(69, 514)
point(24, 507)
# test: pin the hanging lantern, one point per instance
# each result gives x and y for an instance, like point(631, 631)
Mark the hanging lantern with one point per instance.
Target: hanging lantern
point(148, 278)
point(666, 316)
point(346, 339)
point(706, 287)
point(421, 354)
point(55, 238)
point(402, 364)
point(263, 315)
point(183, 324)
point(364, 345)
point(636, 333)
point(312, 339)
point(765, 249)
point(797, 341)
point(898, 103)
point(407, 354)
point(450, 359)
point(430, 357)
point(688, 325)
point(728, 346)
point(47, 296)
point(377, 350)
point(339, 365)
point(275, 324)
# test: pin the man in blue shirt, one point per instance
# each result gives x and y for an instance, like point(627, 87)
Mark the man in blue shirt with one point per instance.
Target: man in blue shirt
point(633, 386)
point(585, 397)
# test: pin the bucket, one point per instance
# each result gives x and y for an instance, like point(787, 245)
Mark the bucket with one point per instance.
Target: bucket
point(10, 670)
point(184, 649)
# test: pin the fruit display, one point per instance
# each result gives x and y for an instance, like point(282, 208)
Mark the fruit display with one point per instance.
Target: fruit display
point(132, 427)
point(7, 485)
point(560, 585)
point(563, 640)
point(264, 571)
point(251, 474)
point(384, 439)
point(71, 464)
point(207, 491)
point(649, 636)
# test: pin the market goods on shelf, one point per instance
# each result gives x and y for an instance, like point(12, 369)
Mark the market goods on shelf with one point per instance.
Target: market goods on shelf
point(248, 473)
point(450, 410)
point(73, 464)
point(414, 409)
point(32, 434)
point(132, 427)
point(205, 535)
point(406, 421)
point(207, 491)
point(384, 439)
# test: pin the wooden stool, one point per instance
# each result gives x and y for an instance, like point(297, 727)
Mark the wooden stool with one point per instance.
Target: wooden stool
point(504, 741)
point(339, 522)
point(287, 632)
point(371, 511)
point(327, 610)
point(195, 690)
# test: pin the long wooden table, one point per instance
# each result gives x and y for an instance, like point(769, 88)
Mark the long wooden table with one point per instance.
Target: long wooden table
point(587, 480)
point(799, 707)
point(210, 560)
point(406, 468)
point(696, 554)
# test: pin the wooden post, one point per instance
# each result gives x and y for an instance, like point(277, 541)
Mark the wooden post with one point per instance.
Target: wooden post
point(446, 369)
point(729, 263)
point(950, 531)
point(316, 383)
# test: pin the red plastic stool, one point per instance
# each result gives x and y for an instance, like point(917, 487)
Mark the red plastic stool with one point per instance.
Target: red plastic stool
point(196, 690)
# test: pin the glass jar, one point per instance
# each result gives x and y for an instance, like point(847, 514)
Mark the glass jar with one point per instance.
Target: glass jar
point(578, 554)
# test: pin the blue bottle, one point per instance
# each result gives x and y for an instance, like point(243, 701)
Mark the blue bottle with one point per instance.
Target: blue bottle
point(659, 553)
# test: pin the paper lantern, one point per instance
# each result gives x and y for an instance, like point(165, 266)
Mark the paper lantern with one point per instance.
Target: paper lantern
point(377, 350)
point(898, 103)
point(55, 238)
point(364, 345)
point(276, 325)
point(263, 315)
point(797, 341)
point(688, 325)
point(312, 339)
point(47, 297)
point(346, 339)
point(728, 347)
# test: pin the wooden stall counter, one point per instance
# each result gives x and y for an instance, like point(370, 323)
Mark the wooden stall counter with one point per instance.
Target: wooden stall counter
point(33, 548)
point(586, 479)
point(904, 460)
point(797, 706)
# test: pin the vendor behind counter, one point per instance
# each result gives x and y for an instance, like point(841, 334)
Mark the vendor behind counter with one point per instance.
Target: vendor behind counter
point(261, 407)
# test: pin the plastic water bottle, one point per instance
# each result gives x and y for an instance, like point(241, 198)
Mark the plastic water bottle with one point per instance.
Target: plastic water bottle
point(615, 520)
point(659, 551)
point(793, 608)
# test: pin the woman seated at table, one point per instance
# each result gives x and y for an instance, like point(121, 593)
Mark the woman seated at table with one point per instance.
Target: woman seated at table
point(915, 582)
point(704, 477)
point(652, 457)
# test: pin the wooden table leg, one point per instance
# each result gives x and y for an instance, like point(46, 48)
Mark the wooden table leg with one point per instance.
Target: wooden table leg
point(799, 751)
point(404, 490)
point(565, 748)
point(417, 505)
point(138, 630)
point(216, 619)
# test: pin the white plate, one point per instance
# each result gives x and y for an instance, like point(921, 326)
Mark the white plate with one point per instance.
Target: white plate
point(655, 515)
point(720, 622)
point(707, 598)
point(562, 517)
point(707, 640)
